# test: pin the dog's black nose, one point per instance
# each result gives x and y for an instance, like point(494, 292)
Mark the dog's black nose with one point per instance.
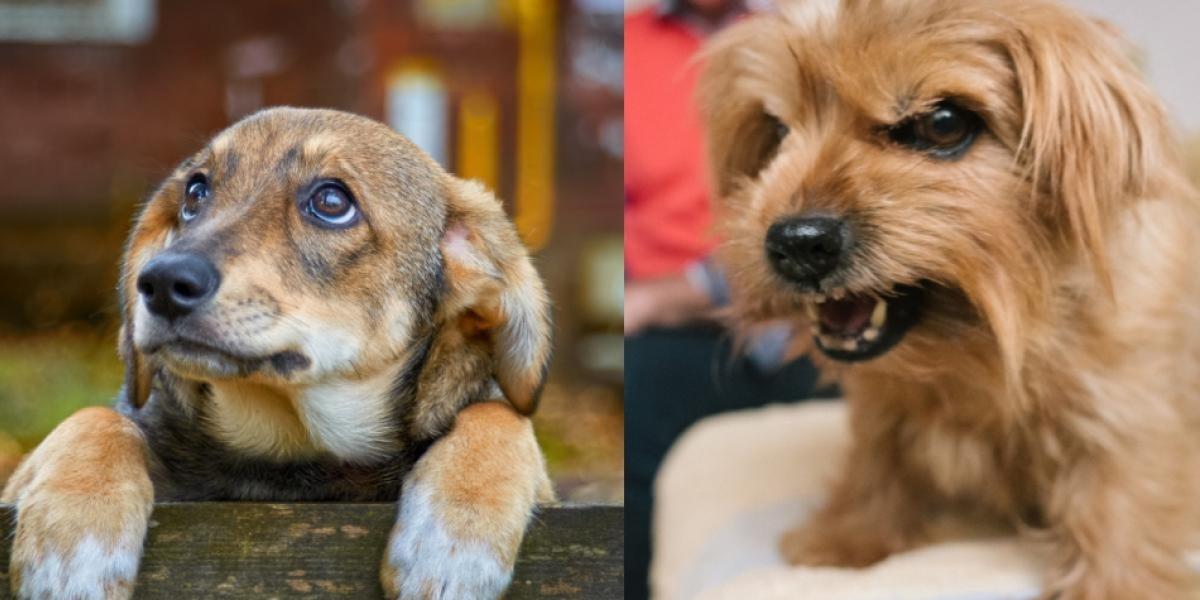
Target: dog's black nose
point(174, 284)
point(806, 249)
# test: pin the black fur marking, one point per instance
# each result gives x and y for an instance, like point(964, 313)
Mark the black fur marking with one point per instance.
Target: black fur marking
point(287, 362)
point(404, 389)
point(536, 397)
point(229, 165)
point(317, 267)
point(435, 288)
point(283, 169)
point(352, 258)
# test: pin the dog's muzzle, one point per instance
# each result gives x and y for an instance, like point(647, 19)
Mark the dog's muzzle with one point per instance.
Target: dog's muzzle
point(850, 326)
point(174, 284)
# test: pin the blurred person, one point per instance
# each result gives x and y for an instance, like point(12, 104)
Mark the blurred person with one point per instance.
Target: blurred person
point(680, 365)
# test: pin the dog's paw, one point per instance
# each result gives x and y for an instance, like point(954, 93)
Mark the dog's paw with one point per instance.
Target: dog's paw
point(83, 501)
point(59, 553)
point(426, 561)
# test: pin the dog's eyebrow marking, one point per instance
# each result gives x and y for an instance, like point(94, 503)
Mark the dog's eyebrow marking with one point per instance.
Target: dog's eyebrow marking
point(288, 161)
point(229, 166)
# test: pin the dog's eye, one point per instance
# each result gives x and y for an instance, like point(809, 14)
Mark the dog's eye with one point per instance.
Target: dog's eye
point(945, 132)
point(194, 195)
point(778, 131)
point(330, 205)
point(945, 126)
point(768, 134)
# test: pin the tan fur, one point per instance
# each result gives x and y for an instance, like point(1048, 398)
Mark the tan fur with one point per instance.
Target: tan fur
point(1051, 381)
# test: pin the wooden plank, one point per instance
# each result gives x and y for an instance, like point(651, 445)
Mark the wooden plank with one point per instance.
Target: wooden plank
point(261, 550)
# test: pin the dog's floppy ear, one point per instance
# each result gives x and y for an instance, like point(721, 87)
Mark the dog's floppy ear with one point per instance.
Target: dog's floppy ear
point(1094, 137)
point(495, 315)
point(149, 235)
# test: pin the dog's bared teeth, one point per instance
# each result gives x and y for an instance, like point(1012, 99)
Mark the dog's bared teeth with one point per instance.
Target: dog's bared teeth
point(838, 293)
point(829, 341)
point(879, 315)
point(870, 334)
point(819, 298)
point(850, 345)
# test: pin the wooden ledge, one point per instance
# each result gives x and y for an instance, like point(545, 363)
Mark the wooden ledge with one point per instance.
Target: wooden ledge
point(322, 550)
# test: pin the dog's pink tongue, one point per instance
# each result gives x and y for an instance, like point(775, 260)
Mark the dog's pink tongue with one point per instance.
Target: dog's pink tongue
point(847, 316)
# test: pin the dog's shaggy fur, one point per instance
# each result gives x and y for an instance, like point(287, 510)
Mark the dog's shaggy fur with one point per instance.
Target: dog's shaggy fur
point(1051, 373)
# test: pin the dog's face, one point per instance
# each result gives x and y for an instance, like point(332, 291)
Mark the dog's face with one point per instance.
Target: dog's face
point(303, 248)
point(291, 249)
point(906, 176)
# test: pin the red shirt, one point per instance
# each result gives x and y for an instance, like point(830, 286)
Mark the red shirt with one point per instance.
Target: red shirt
point(667, 212)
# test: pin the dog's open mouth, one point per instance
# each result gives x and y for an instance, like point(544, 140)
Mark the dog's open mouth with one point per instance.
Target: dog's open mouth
point(854, 327)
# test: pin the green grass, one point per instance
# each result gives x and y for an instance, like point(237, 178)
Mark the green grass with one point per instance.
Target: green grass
point(45, 377)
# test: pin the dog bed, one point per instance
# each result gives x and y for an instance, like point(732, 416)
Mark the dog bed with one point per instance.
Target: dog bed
point(735, 482)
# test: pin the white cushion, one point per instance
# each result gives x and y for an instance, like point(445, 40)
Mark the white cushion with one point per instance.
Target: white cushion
point(735, 482)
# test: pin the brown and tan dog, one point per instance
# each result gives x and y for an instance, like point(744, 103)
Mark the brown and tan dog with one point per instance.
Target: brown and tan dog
point(313, 310)
point(977, 208)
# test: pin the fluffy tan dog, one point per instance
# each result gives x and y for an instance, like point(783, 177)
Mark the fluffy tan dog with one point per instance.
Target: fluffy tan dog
point(977, 209)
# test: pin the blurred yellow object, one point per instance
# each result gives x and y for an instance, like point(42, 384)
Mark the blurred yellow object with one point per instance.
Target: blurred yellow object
point(479, 138)
point(456, 14)
point(536, 24)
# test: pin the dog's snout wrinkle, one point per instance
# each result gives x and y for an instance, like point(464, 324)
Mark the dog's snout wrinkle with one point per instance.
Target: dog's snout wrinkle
point(175, 284)
point(806, 249)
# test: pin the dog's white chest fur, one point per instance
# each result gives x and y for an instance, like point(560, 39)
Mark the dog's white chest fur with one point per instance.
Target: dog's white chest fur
point(349, 420)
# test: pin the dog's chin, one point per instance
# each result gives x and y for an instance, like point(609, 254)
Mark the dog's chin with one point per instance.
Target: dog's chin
point(861, 325)
point(197, 360)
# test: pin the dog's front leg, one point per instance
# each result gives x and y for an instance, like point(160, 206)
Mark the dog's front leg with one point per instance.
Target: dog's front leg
point(464, 508)
point(83, 501)
point(1121, 524)
point(870, 513)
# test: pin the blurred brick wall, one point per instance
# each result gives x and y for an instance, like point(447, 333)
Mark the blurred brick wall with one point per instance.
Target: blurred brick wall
point(85, 122)
point(88, 129)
